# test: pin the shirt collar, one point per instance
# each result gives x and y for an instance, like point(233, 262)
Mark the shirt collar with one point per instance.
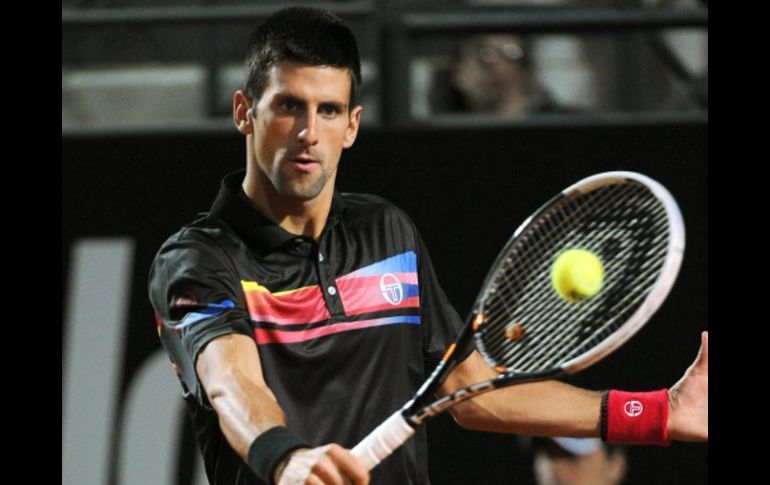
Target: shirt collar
point(234, 207)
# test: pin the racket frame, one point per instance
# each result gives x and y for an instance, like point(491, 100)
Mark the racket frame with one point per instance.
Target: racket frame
point(424, 405)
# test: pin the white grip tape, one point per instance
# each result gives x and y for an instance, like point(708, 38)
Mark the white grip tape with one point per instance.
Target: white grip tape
point(385, 438)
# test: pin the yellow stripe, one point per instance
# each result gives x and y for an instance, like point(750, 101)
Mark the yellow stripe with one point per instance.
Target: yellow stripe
point(254, 286)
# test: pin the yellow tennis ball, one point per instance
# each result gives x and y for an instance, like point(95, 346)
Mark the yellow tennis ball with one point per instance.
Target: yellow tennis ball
point(577, 274)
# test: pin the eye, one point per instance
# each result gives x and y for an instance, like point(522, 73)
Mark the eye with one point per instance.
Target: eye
point(329, 110)
point(289, 105)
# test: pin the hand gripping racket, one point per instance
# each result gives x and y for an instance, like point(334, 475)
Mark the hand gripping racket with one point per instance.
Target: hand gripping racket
point(520, 325)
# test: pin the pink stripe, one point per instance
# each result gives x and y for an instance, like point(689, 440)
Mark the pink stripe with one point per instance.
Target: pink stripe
point(273, 336)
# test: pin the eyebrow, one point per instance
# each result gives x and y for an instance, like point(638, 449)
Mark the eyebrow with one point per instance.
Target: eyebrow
point(323, 104)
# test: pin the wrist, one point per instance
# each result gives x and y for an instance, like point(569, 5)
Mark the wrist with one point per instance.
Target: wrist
point(635, 417)
point(270, 450)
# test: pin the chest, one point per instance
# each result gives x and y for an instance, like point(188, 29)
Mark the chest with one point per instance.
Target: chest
point(343, 283)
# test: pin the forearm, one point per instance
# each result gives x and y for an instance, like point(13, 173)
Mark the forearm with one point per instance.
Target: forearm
point(245, 410)
point(231, 374)
point(548, 408)
point(553, 408)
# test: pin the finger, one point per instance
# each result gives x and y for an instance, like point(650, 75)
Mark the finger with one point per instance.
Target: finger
point(300, 466)
point(350, 465)
point(327, 471)
point(313, 480)
point(702, 361)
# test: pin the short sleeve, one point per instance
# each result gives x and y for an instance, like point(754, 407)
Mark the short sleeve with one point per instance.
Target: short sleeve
point(195, 291)
point(441, 323)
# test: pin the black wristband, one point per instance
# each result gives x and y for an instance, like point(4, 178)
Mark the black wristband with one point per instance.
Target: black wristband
point(269, 449)
point(603, 418)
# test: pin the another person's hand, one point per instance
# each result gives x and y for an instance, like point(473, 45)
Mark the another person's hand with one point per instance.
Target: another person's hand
point(689, 400)
point(326, 465)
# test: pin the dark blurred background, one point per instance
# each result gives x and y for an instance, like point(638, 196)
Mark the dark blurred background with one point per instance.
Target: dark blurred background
point(475, 113)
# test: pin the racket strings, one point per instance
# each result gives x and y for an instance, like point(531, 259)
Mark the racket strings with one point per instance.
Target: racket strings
point(583, 330)
point(542, 289)
point(625, 224)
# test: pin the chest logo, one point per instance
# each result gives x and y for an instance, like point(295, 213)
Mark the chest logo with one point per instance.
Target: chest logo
point(391, 289)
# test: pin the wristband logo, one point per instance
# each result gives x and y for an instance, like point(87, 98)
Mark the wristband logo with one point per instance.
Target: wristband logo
point(391, 289)
point(633, 408)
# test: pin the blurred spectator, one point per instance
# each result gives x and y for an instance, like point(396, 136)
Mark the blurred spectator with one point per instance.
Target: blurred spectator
point(494, 74)
point(577, 461)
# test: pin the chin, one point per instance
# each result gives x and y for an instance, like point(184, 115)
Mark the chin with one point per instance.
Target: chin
point(304, 192)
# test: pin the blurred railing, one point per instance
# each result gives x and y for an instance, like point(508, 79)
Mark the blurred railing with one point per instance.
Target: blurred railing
point(388, 36)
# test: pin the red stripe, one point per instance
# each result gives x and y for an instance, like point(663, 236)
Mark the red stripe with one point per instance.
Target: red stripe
point(299, 307)
point(271, 336)
point(362, 295)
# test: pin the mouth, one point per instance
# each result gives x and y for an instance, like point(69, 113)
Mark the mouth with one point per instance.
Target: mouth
point(304, 162)
point(304, 159)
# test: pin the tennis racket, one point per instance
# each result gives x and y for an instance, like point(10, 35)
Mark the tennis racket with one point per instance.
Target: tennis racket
point(519, 324)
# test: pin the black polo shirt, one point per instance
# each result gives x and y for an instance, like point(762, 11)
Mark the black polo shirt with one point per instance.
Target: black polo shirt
point(347, 328)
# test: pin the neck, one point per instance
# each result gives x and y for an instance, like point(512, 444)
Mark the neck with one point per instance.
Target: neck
point(297, 216)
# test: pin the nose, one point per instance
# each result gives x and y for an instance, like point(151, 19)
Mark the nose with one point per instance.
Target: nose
point(308, 135)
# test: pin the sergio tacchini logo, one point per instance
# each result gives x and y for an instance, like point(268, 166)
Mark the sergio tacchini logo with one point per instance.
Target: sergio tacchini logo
point(633, 408)
point(391, 289)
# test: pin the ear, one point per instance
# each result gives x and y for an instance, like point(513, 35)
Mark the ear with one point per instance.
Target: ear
point(352, 129)
point(242, 113)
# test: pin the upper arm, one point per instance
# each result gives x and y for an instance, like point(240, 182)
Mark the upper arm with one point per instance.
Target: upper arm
point(230, 361)
point(196, 294)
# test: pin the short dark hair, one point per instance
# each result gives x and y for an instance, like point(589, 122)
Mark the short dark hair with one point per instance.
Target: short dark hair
point(301, 34)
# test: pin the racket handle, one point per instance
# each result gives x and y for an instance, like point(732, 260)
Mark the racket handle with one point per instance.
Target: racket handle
point(385, 438)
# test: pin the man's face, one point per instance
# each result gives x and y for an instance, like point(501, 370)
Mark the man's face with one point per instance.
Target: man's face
point(302, 124)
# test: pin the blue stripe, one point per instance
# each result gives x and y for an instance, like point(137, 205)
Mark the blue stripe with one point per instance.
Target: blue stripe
point(401, 263)
point(410, 290)
point(412, 319)
point(211, 310)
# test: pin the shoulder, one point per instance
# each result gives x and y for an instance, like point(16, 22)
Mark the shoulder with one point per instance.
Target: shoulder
point(194, 259)
point(381, 223)
point(373, 208)
point(201, 243)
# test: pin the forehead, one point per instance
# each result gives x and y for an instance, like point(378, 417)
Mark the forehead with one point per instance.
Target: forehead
point(324, 83)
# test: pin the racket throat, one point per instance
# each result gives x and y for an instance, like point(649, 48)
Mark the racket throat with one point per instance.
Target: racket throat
point(448, 401)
